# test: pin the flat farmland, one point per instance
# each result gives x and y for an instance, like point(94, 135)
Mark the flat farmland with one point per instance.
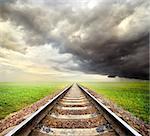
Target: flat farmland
point(131, 96)
point(15, 96)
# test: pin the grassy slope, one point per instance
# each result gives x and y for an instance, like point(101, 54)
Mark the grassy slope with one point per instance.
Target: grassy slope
point(14, 96)
point(132, 96)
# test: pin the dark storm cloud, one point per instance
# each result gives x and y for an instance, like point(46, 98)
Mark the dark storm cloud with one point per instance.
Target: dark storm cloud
point(110, 39)
point(129, 59)
point(114, 52)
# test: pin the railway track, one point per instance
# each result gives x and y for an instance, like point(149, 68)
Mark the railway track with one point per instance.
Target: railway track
point(73, 112)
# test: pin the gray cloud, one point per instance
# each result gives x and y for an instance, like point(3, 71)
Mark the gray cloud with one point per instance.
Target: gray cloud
point(120, 59)
point(111, 39)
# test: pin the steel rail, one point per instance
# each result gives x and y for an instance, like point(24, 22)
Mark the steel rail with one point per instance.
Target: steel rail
point(25, 122)
point(123, 124)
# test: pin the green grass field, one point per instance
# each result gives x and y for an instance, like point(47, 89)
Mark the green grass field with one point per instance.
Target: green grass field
point(132, 96)
point(14, 96)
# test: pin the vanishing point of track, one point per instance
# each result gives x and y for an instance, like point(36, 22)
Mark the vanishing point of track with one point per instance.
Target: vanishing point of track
point(73, 112)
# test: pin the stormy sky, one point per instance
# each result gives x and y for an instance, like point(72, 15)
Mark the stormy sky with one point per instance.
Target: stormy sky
point(74, 39)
